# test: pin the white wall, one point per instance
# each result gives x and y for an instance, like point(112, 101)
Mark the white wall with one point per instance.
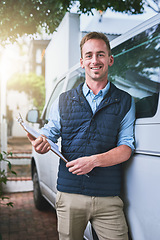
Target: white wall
point(18, 103)
point(63, 51)
point(74, 40)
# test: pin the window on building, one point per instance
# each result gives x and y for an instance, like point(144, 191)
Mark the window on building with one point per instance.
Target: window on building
point(38, 70)
point(38, 56)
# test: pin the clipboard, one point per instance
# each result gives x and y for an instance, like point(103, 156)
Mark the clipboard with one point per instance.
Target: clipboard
point(35, 134)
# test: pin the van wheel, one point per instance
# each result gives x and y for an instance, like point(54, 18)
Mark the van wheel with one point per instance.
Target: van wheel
point(39, 201)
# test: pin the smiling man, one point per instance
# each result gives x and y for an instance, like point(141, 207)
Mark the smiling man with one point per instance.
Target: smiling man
point(95, 122)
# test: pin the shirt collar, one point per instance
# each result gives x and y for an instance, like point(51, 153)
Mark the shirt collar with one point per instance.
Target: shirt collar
point(104, 91)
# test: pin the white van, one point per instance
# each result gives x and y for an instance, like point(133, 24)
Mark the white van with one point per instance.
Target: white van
point(136, 70)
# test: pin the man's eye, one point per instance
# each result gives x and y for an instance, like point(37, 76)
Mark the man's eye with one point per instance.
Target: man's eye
point(100, 55)
point(88, 56)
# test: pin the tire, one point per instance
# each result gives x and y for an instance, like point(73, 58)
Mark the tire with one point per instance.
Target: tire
point(39, 201)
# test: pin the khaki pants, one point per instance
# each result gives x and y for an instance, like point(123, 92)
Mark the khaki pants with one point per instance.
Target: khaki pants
point(105, 214)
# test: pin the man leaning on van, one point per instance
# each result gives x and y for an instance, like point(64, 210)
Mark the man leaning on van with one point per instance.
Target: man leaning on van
point(95, 122)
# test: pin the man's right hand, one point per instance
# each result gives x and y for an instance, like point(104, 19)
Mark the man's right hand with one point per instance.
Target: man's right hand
point(40, 144)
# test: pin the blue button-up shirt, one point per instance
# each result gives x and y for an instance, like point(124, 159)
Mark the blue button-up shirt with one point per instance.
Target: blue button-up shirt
point(126, 134)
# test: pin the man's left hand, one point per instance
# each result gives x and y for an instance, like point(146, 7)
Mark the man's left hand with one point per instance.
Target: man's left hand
point(80, 166)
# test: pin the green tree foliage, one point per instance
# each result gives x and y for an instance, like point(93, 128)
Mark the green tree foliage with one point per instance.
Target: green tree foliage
point(3, 177)
point(153, 4)
point(19, 17)
point(32, 85)
point(133, 7)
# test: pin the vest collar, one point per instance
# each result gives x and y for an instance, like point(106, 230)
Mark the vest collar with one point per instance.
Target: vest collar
point(109, 98)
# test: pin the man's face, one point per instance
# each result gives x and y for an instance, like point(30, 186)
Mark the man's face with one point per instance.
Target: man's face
point(95, 60)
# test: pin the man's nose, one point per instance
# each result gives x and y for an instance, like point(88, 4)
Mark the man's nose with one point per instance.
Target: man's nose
point(94, 58)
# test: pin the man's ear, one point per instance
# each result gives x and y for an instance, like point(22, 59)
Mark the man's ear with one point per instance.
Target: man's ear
point(81, 62)
point(111, 60)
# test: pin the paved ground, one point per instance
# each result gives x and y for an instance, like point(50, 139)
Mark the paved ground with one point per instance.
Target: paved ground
point(25, 222)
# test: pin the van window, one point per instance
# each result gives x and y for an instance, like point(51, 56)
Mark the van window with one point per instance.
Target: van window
point(136, 70)
point(57, 91)
point(74, 81)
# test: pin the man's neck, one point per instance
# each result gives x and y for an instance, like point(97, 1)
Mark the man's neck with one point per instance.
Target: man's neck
point(96, 86)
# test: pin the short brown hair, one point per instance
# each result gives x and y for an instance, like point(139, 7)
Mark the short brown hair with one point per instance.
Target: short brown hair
point(95, 35)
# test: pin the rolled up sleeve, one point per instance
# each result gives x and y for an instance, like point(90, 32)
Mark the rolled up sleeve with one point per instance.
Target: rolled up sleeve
point(52, 129)
point(126, 133)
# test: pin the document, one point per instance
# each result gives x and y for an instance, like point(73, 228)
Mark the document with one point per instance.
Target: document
point(27, 128)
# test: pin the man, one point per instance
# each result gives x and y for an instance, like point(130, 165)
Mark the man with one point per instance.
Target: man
point(95, 122)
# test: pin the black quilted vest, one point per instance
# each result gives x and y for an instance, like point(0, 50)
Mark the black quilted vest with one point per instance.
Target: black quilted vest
point(85, 134)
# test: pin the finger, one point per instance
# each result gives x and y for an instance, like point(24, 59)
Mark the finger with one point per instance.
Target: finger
point(68, 165)
point(41, 145)
point(71, 164)
point(30, 137)
point(37, 142)
point(75, 169)
point(78, 172)
point(45, 146)
point(42, 149)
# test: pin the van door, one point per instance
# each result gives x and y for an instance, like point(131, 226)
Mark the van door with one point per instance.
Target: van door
point(48, 163)
point(137, 71)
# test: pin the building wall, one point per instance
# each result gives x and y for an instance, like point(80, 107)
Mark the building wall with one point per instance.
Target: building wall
point(17, 103)
point(62, 52)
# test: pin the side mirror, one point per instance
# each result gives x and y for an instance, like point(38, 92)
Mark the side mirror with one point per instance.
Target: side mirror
point(33, 116)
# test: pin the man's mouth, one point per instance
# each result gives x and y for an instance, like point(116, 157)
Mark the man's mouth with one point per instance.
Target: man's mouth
point(96, 68)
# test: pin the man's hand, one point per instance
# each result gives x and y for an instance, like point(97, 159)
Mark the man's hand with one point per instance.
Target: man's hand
point(113, 157)
point(40, 144)
point(81, 165)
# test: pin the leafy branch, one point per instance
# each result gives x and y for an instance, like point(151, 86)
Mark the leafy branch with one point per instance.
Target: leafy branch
point(19, 17)
point(3, 176)
point(32, 85)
